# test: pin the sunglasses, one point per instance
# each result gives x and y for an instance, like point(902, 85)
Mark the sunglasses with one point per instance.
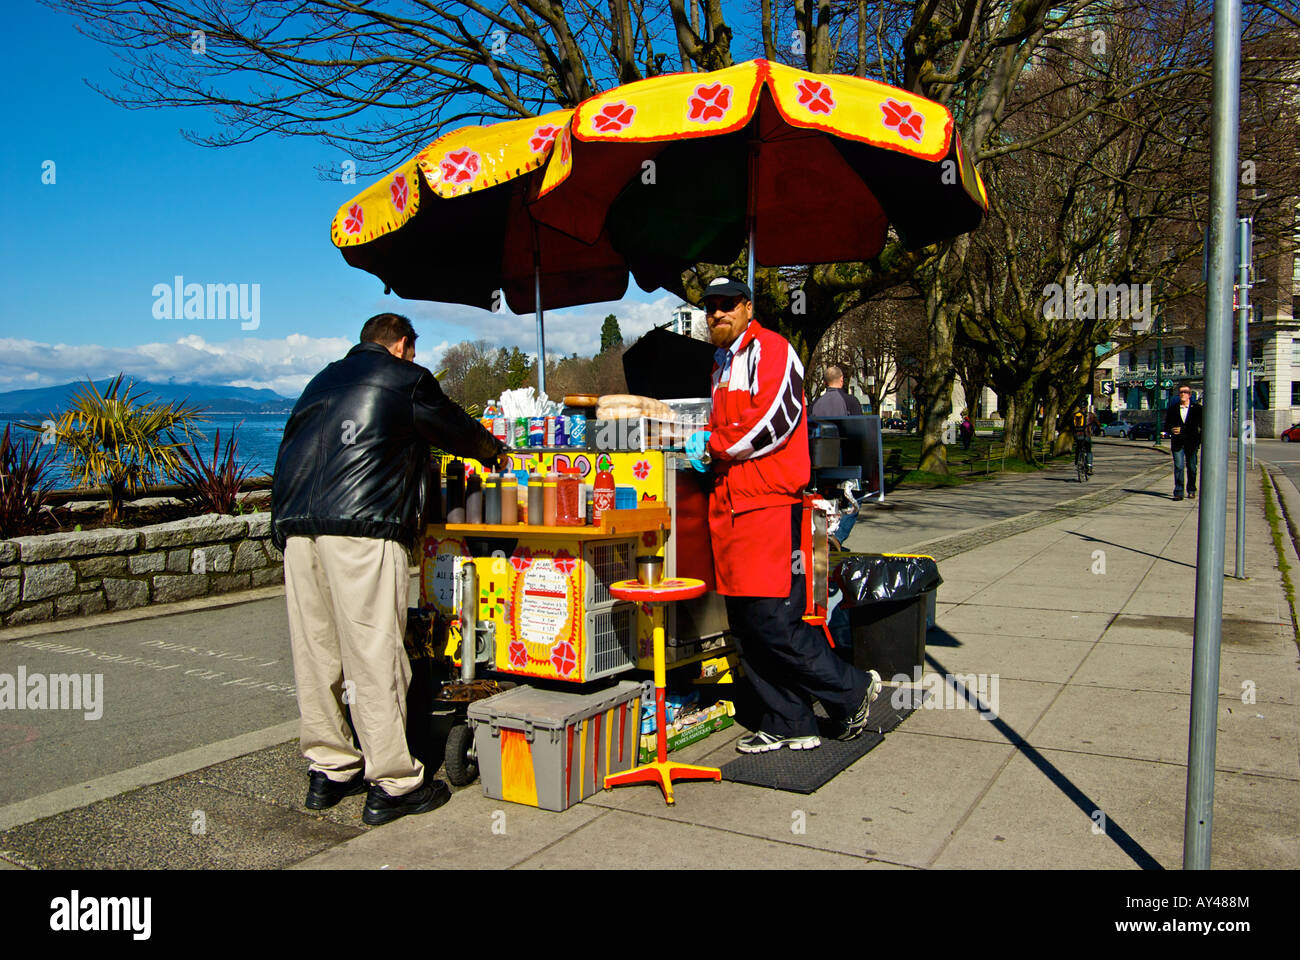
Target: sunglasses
point(725, 304)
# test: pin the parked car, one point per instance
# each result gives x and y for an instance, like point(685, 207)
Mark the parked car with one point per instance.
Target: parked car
point(1120, 428)
point(1142, 431)
point(894, 423)
point(1290, 434)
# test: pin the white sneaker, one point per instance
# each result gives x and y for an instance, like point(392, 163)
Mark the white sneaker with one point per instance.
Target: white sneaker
point(762, 742)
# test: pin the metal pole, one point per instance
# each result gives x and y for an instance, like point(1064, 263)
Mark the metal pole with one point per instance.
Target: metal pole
point(1212, 519)
point(1243, 315)
point(1160, 351)
point(541, 332)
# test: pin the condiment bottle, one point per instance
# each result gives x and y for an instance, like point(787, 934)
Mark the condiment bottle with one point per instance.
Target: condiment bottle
point(550, 504)
point(602, 492)
point(456, 492)
point(536, 500)
point(567, 497)
point(491, 498)
point(436, 505)
point(509, 498)
point(473, 496)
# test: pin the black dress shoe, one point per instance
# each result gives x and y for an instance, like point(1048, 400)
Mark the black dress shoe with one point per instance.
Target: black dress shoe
point(1178, 496)
point(381, 808)
point(323, 793)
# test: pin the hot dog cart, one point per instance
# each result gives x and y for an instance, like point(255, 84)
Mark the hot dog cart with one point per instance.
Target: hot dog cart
point(536, 598)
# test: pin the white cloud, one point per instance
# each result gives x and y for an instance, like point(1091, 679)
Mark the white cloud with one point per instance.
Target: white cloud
point(284, 365)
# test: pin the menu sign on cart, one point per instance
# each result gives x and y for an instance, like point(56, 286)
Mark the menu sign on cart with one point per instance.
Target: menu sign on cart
point(546, 629)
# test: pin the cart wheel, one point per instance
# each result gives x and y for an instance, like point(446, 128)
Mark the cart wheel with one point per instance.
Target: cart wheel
point(462, 766)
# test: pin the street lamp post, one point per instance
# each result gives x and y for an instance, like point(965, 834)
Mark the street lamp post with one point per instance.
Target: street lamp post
point(1160, 350)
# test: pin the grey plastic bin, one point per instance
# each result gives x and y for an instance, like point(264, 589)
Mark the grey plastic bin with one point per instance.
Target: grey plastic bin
point(550, 749)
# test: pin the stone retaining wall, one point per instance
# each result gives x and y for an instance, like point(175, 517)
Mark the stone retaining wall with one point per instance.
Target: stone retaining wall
point(74, 574)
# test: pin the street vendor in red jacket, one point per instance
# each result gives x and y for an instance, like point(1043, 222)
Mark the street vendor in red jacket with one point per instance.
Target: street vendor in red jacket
point(758, 445)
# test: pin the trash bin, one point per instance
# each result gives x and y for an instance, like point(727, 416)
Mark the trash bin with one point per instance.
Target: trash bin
point(881, 604)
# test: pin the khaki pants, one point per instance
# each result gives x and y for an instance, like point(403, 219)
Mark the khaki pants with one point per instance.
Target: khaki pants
point(347, 614)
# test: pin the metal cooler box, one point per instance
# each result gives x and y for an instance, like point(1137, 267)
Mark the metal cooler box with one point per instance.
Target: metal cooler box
point(551, 750)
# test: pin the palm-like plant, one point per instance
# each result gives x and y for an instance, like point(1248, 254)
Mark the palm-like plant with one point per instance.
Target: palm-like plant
point(119, 440)
point(213, 486)
point(24, 483)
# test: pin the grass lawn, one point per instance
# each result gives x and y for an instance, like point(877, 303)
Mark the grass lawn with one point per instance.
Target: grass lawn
point(904, 472)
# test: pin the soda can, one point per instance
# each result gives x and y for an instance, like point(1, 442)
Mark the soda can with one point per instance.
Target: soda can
point(550, 431)
point(520, 438)
point(537, 431)
point(561, 432)
point(577, 430)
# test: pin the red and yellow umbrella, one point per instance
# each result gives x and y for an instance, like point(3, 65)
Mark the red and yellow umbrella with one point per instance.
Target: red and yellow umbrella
point(658, 174)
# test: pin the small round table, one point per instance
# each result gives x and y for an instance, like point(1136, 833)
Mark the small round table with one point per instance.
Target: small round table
point(660, 771)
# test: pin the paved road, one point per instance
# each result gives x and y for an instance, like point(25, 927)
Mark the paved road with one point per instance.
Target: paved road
point(1284, 455)
point(170, 684)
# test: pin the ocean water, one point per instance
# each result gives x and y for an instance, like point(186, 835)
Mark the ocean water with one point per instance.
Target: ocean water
point(257, 439)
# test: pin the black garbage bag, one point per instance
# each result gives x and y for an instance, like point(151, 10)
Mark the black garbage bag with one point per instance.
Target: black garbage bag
point(877, 612)
point(865, 578)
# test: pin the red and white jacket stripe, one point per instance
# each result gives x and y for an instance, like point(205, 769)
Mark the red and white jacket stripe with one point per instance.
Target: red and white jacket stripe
point(759, 441)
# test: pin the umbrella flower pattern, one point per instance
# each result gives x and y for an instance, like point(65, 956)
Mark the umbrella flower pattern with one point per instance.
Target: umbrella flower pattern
point(355, 218)
point(565, 562)
point(709, 103)
point(816, 96)
point(543, 137)
point(518, 655)
point(564, 658)
point(902, 118)
point(613, 117)
point(460, 166)
point(400, 192)
point(641, 470)
point(521, 559)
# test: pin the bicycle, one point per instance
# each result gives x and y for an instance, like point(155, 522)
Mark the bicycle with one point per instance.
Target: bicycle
point(1082, 456)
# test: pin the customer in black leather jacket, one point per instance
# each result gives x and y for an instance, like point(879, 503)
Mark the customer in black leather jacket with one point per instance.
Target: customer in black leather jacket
point(354, 460)
point(351, 483)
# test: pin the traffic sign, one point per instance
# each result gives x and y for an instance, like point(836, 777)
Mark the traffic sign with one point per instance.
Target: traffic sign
point(1148, 383)
point(1167, 384)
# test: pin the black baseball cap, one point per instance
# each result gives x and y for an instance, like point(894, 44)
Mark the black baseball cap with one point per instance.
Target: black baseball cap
point(726, 287)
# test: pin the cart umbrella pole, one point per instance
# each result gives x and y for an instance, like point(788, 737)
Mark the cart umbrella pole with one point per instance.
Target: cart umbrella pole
point(537, 304)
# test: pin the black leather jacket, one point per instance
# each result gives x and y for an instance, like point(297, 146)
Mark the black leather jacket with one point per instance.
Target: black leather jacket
point(354, 460)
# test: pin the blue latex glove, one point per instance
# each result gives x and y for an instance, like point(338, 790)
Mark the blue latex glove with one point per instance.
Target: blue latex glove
point(697, 445)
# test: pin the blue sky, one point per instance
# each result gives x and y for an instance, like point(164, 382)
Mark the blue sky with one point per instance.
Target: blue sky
point(133, 204)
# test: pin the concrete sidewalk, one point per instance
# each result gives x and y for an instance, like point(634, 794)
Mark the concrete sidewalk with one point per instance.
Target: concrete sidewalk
point(1085, 622)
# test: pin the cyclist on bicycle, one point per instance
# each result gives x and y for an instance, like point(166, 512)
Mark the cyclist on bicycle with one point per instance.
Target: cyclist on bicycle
point(1082, 438)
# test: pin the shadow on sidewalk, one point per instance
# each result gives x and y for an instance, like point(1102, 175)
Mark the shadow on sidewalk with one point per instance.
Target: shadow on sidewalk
point(1148, 493)
point(1134, 850)
point(1112, 543)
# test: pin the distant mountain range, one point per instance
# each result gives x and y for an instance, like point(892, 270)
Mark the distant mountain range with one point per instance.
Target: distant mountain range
point(211, 398)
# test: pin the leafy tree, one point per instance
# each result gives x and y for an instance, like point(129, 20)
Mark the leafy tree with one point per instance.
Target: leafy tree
point(610, 334)
point(519, 370)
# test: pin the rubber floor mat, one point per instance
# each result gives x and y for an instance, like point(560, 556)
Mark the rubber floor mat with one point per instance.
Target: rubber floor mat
point(805, 771)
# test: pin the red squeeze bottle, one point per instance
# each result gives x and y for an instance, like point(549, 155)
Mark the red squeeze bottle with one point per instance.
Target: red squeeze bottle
point(602, 493)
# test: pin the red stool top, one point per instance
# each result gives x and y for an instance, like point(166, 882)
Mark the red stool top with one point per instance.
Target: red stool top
point(668, 590)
